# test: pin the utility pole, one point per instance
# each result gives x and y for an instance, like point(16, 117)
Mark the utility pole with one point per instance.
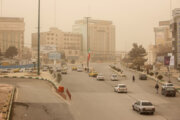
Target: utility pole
point(38, 61)
point(87, 22)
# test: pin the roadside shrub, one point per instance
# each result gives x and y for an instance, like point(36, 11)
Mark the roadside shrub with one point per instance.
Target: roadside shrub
point(59, 77)
point(151, 73)
point(160, 77)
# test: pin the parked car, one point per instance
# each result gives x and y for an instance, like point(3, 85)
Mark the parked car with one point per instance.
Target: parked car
point(143, 106)
point(143, 77)
point(16, 70)
point(169, 91)
point(22, 70)
point(45, 69)
point(4, 71)
point(100, 77)
point(167, 85)
point(114, 77)
point(63, 71)
point(93, 74)
point(120, 88)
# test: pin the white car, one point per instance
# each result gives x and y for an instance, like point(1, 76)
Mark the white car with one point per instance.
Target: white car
point(100, 77)
point(22, 70)
point(114, 77)
point(167, 85)
point(178, 79)
point(79, 69)
point(120, 88)
point(143, 106)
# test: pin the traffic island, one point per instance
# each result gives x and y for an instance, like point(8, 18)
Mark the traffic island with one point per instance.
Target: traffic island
point(6, 100)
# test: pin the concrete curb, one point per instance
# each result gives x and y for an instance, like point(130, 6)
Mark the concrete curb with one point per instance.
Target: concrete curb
point(11, 103)
point(38, 78)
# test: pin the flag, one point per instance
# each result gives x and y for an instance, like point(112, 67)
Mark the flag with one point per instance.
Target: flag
point(166, 60)
point(89, 55)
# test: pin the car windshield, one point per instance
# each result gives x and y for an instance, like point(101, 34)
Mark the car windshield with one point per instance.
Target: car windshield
point(146, 104)
point(143, 75)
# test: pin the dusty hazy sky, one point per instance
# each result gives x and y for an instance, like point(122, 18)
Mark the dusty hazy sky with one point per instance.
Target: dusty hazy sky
point(134, 19)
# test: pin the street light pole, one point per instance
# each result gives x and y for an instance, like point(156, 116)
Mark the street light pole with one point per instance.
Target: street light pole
point(87, 18)
point(38, 72)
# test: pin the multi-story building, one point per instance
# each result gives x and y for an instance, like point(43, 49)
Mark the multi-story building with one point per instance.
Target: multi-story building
point(151, 55)
point(100, 39)
point(163, 43)
point(175, 28)
point(67, 42)
point(12, 34)
point(162, 33)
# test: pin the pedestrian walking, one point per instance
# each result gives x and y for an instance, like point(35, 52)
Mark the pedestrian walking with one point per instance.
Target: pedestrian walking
point(157, 87)
point(133, 78)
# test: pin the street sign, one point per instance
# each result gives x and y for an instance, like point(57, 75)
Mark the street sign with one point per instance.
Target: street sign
point(167, 60)
point(54, 56)
point(172, 60)
point(48, 48)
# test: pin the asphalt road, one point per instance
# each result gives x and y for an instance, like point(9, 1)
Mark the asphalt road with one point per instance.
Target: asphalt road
point(36, 100)
point(96, 100)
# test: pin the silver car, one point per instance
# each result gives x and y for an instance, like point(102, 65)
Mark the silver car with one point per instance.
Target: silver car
point(143, 106)
point(100, 77)
point(114, 77)
point(120, 88)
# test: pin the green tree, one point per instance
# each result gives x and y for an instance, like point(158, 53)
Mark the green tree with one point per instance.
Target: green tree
point(136, 55)
point(11, 52)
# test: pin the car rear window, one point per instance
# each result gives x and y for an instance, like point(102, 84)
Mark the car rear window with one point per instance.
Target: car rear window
point(170, 88)
point(114, 75)
point(146, 104)
point(169, 84)
point(122, 86)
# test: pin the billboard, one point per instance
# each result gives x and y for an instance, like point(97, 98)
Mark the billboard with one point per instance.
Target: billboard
point(48, 48)
point(54, 56)
point(167, 60)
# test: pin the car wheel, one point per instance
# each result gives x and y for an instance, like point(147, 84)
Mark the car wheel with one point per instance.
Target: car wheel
point(133, 108)
point(152, 113)
point(139, 111)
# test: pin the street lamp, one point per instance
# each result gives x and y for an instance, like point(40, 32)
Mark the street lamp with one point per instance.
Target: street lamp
point(38, 61)
point(87, 18)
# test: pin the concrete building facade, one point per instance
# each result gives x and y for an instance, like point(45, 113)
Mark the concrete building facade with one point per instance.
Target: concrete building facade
point(151, 55)
point(67, 42)
point(101, 38)
point(12, 34)
point(163, 33)
point(175, 28)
